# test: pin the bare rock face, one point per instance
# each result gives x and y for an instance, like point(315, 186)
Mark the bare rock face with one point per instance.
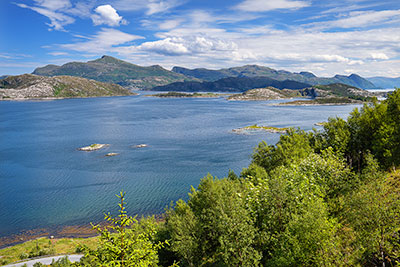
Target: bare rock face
point(39, 90)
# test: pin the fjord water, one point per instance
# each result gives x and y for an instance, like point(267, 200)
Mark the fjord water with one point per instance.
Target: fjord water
point(45, 181)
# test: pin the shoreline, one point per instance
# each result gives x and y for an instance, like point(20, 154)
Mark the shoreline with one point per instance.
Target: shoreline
point(59, 98)
point(67, 231)
point(59, 231)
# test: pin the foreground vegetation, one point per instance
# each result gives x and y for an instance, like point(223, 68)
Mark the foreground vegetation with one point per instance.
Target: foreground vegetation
point(44, 246)
point(328, 198)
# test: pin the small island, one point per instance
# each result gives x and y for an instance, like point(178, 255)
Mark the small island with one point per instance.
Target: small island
point(194, 95)
point(325, 101)
point(268, 93)
point(332, 94)
point(93, 147)
point(140, 146)
point(111, 154)
point(255, 127)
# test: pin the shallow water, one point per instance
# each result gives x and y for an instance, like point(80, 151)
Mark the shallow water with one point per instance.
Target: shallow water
point(45, 181)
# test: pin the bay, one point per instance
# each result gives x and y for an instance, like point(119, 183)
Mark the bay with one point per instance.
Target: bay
point(45, 181)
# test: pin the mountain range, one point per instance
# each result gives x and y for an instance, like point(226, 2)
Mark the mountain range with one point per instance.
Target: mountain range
point(280, 75)
point(231, 84)
point(113, 70)
point(384, 82)
point(134, 77)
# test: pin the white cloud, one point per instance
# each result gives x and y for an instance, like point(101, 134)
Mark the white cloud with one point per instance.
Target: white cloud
point(189, 45)
point(170, 24)
point(159, 6)
point(58, 53)
point(106, 14)
point(361, 19)
point(103, 41)
point(54, 4)
point(57, 20)
point(165, 47)
point(366, 18)
point(268, 5)
point(378, 55)
point(152, 6)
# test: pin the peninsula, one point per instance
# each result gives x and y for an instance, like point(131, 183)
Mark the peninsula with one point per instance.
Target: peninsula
point(193, 95)
point(256, 127)
point(30, 86)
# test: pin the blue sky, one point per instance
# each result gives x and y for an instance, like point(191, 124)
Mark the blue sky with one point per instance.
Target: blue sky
point(326, 37)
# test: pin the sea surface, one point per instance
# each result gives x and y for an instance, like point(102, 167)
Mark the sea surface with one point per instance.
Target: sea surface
point(45, 181)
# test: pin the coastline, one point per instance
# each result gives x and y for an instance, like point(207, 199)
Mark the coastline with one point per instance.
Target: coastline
point(67, 231)
point(59, 98)
point(59, 231)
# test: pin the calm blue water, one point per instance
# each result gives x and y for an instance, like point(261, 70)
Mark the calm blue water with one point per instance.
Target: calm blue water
point(45, 181)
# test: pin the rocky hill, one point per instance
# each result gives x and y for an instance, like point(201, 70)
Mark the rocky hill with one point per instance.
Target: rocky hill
point(29, 86)
point(338, 90)
point(231, 84)
point(112, 70)
point(267, 93)
point(280, 75)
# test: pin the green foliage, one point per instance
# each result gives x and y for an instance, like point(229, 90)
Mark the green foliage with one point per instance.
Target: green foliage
point(38, 250)
point(291, 205)
point(373, 211)
point(372, 129)
point(63, 262)
point(58, 89)
point(214, 227)
point(125, 242)
point(290, 147)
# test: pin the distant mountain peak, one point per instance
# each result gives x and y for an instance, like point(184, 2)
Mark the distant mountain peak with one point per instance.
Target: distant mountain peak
point(308, 74)
point(113, 70)
point(108, 59)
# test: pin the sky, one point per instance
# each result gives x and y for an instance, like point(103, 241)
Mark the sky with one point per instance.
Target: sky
point(326, 37)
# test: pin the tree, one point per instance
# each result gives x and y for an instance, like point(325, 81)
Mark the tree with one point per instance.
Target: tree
point(214, 226)
point(373, 211)
point(292, 146)
point(292, 210)
point(124, 242)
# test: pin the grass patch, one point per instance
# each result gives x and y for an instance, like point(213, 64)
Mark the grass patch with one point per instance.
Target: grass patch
point(43, 247)
point(58, 89)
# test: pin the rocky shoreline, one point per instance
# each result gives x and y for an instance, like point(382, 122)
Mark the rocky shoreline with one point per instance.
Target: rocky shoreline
point(93, 147)
point(255, 127)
